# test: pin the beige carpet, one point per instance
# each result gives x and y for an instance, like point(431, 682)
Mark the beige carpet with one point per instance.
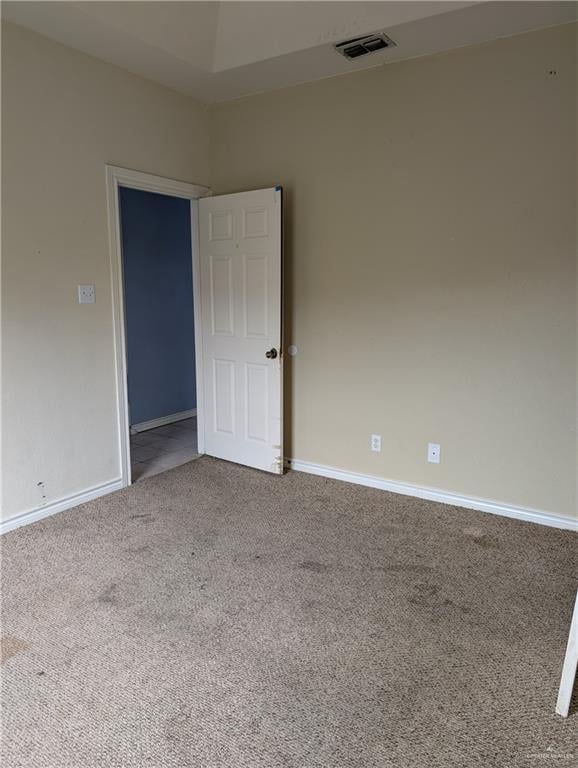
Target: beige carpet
point(215, 616)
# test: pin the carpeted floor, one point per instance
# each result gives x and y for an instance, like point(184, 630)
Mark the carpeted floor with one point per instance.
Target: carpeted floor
point(214, 616)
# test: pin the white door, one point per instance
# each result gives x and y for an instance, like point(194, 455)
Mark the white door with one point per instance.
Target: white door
point(240, 290)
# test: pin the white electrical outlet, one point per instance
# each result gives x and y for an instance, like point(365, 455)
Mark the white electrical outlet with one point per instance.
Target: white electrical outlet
point(376, 443)
point(433, 453)
point(86, 294)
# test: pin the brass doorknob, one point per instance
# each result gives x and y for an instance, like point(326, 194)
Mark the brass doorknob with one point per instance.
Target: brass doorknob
point(271, 354)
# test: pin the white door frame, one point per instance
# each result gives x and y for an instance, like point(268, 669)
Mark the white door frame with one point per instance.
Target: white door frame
point(123, 177)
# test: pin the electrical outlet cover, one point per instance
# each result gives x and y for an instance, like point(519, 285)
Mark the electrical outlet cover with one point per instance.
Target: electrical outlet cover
point(86, 294)
point(433, 453)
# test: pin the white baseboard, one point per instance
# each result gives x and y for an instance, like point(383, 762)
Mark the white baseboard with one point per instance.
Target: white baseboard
point(59, 506)
point(153, 423)
point(418, 491)
point(433, 494)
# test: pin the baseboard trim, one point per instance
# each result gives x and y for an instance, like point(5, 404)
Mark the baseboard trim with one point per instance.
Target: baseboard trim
point(59, 506)
point(371, 481)
point(433, 494)
point(153, 423)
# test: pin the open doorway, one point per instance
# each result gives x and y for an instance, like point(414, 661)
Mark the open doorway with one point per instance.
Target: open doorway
point(236, 252)
point(159, 330)
point(153, 227)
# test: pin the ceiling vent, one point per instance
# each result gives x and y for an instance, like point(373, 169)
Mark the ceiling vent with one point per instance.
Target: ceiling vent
point(363, 46)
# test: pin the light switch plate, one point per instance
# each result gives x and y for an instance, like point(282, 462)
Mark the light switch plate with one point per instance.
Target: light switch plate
point(86, 294)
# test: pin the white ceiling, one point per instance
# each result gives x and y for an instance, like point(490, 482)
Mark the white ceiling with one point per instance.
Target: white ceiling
point(216, 51)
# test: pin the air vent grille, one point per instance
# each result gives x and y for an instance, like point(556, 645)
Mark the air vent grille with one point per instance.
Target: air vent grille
point(363, 46)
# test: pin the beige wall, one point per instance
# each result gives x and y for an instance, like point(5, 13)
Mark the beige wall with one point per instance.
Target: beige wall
point(64, 115)
point(431, 264)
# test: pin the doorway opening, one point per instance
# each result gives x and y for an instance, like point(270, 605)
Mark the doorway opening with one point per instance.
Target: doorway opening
point(154, 251)
point(235, 245)
point(159, 330)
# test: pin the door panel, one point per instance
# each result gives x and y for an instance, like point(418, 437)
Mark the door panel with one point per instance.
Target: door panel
point(224, 396)
point(255, 298)
point(240, 256)
point(222, 295)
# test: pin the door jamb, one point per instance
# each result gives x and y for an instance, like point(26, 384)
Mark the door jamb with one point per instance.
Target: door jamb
point(123, 177)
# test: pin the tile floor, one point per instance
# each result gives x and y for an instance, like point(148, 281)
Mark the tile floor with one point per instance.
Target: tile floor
point(163, 448)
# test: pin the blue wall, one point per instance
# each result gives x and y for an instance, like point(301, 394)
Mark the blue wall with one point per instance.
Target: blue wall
point(158, 288)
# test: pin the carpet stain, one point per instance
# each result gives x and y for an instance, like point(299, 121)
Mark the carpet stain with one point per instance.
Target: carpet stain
point(177, 726)
point(246, 558)
point(138, 550)
point(480, 537)
point(425, 595)
point(107, 596)
point(447, 603)
point(313, 566)
point(486, 543)
point(473, 531)
point(143, 518)
point(10, 646)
